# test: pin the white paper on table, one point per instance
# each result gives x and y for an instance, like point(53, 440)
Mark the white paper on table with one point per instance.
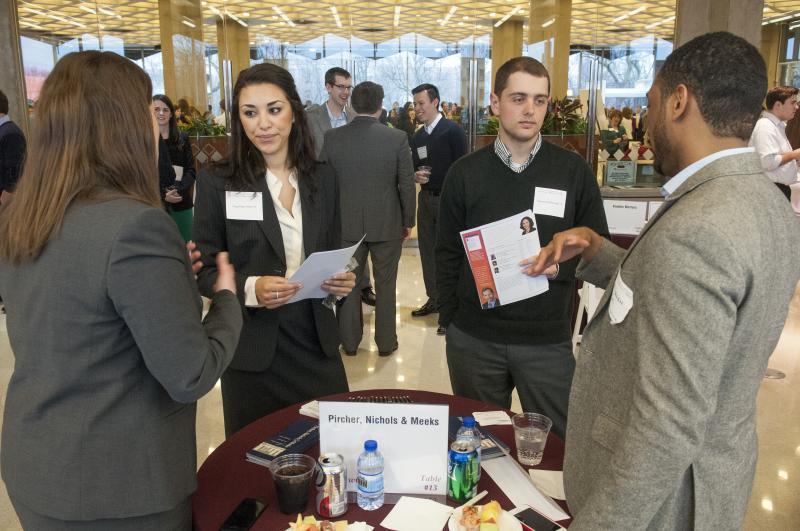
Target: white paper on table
point(494, 252)
point(517, 485)
point(319, 267)
point(311, 409)
point(178, 172)
point(492, 418)
point(359, 526)
point(625, 217)
point(551, 482)
point(417, 514)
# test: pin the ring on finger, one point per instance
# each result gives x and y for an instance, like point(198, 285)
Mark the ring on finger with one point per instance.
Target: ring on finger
point(276, 295)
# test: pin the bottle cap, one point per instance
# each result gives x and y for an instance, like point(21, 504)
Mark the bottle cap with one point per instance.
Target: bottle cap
point(468, 422)
point(370, 445)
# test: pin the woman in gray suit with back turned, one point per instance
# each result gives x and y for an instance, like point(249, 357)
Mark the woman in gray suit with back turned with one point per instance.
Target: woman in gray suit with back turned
point(104, 315)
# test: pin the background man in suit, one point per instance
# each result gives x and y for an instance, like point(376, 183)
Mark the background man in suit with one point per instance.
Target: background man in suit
point(331, 114)
point(12, 150)
point(662, 431)
point(372, 164)
point(438, 144)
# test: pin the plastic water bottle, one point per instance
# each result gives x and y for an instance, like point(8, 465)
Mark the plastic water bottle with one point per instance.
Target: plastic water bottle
point(469, 432)
point(370, 477)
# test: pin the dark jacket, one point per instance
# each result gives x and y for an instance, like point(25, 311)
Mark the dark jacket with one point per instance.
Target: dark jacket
point(178, 153)
point(256, 248)
point(12, 155)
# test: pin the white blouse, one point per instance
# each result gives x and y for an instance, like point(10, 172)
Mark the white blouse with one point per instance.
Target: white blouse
point(291, 224)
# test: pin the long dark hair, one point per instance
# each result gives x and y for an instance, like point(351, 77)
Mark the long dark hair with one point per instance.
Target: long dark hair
point(88, 103)
point(174, 132)
point(246, 165)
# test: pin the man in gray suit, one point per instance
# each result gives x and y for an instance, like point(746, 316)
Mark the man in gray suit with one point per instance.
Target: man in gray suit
point(373, 168)
point(331, 114)
point(661, 431)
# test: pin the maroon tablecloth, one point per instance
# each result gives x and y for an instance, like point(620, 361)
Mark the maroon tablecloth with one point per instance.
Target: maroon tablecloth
point(226, 477)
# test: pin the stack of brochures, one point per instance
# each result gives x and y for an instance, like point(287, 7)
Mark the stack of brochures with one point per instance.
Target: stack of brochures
point(294, 439)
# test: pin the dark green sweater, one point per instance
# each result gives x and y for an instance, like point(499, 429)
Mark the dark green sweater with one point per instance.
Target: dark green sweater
point(480, 189)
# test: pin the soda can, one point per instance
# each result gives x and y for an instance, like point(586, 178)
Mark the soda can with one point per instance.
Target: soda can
point(462, 483)
point(331, 486)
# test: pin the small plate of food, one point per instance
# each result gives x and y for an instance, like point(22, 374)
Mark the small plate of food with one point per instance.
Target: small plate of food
point(489, 517)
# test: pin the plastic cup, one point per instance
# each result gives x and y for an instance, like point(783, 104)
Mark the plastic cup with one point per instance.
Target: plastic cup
point(530, 433)
point(292, 474)
point(426, 174)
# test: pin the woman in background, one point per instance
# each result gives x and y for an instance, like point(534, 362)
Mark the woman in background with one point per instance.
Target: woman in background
point(408, 120)
point(177, 194)
point(270, 206)
point(104, 316)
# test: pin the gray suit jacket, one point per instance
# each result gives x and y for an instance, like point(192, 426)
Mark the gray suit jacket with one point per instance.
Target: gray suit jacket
point(110, 356)
point(661, 431)
point(372, 163)
point(320, 122)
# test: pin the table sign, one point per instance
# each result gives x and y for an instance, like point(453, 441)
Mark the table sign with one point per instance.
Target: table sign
point(621, 173)
point(411, 437)
point(652, 208)
point(625, 217)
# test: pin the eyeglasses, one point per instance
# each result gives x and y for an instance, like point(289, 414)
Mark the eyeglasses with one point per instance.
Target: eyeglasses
point(343, 87)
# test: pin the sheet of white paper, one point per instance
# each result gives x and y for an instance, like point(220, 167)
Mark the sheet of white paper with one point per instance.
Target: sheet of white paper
point(517, 485)
point(621, 301)
point(417, 514)
point(319, 267)
point(244, 206)
point(492, 418)
point(652, 208)
point(625, 217)
point(549, 201)
point(550, 482)
point(178, 172)
point(502, 247)
point(311, 409)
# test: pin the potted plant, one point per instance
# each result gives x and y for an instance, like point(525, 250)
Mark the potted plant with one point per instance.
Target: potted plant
point(209, 140)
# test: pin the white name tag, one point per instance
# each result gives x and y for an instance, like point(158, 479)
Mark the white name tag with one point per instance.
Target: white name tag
point(549, 201)
point(422, 152)
point(244, 205)
point(621, 301)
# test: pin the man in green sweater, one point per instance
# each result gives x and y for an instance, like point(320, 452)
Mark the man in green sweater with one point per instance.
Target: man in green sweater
point(526, 344)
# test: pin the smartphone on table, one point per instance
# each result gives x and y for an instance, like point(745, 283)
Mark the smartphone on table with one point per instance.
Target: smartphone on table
point(532, 520)
point(244, 515)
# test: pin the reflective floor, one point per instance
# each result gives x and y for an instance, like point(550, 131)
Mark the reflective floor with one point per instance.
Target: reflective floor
point(420, 364)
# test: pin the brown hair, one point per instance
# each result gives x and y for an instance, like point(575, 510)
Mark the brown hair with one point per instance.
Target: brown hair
point(519, 64)
point(93, 140)
point(779, 94)
point(614, 114)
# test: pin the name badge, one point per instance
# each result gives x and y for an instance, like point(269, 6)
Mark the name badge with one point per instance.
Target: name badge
point(244, 206)
point(422, 152)
point(549, 201)
point(621, 301)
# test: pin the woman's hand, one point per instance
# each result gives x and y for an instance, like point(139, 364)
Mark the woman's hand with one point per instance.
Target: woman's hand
point(274, 292)
point(194, 257)
point(340, 284)
point(226, 275)
point(172, 196)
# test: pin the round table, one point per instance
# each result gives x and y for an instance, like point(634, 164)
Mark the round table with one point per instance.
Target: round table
point(226, 477)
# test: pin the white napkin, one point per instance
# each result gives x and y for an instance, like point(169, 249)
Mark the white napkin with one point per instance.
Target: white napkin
point(492, 418)
point(551, 482)
point(359, 526)
point(417, 514)
point(310, 410)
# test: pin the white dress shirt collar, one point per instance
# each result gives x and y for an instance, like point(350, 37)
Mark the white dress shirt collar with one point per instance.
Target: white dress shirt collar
point(681, 177)
point(429, 128)
point(291, 223)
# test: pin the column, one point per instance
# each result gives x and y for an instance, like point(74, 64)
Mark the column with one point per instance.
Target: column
point(770, 50)
point(740, 17)
point(550, 22)
point(506, 43)
point(233, 43)
point(181, 25)
point(12, 82)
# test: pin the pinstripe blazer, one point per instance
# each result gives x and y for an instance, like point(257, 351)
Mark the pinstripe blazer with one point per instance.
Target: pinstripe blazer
point(661, 430)
point(256, 248)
